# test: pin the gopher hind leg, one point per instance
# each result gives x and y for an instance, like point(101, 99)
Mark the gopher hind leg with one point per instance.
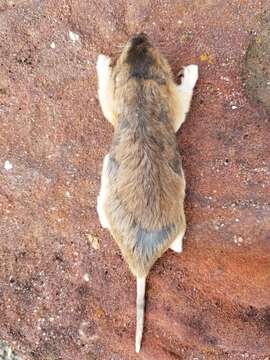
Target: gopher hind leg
point(177, 244)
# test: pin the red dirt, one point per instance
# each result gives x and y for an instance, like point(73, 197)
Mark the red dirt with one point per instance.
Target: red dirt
point(210, 302)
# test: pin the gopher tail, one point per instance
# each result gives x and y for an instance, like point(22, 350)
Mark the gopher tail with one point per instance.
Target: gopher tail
point(140, 311)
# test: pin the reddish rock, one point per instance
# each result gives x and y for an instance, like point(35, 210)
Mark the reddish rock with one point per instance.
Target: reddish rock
point(65, 292)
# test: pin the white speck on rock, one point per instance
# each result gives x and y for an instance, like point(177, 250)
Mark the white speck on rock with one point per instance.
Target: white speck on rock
point(94, 240)
point(86, 277)
point(73, 36)
point(238, 240)
point(8, 166)
point(52, 45)
point(234, 107)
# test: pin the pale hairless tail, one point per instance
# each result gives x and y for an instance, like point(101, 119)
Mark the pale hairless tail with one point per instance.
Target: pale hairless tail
point(140, 311)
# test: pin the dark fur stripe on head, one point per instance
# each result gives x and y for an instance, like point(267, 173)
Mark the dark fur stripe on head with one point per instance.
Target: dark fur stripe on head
point(139, 57)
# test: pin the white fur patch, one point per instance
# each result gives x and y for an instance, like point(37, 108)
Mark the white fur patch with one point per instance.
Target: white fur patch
point(177, 244)
point(190, 77)
point(103, 194)
point(103, 63)
point(101, 212)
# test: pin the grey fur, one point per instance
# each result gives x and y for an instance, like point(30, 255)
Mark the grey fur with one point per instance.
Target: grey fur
point(112, 167)
point(146, 241)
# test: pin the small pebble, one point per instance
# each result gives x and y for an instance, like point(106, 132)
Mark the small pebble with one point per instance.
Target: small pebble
point(73, 36)
point(94, 240)
point(8, 166)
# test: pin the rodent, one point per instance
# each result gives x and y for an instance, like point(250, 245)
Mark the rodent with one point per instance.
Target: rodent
point(141, 199)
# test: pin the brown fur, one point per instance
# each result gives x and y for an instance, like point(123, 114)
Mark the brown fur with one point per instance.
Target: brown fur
point(147, 186)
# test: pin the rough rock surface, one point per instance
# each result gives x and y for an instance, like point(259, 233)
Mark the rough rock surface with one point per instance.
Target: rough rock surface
point(65, 292)
point(256, 72)
point(6, 352)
